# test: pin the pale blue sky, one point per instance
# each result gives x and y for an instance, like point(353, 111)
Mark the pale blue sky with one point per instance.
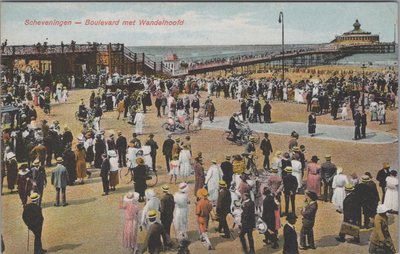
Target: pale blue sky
point(204, 23)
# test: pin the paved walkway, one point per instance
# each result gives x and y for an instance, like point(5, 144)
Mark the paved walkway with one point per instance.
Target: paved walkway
point(327, 132)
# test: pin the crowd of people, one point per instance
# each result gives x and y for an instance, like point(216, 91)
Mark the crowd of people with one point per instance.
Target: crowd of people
point(231, 188)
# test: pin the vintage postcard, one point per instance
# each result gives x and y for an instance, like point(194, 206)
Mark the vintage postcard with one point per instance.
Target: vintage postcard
point(195, 127)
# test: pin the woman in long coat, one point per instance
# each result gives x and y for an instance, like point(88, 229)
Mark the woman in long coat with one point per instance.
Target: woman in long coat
point(131, 211)
point(312, 124)
point(139, 177)
point(80, 156)
point(12, 171)
point(70, 165)
point(314, 176)
point(181, 210)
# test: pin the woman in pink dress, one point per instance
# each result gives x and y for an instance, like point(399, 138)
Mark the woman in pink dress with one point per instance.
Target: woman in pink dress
point(314, 176)
point(129, 236)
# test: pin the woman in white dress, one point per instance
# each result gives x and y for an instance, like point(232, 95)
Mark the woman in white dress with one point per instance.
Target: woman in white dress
point(114, 180)
point(344, 112)
point(339, 194)
point(138, 121)
point(381, 113)
point(174, 168)
point(64, 94)
point(152, 203)
point(132, 155)
point(181, 210)
point(392, 192)
point(185, 163)
point(296, 167)
point(285, 93)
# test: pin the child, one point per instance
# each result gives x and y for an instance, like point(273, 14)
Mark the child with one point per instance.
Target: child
point(174, 165)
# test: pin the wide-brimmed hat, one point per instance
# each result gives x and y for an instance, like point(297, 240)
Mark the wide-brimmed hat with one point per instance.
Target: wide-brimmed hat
point(339, 170)
point(289, 170)
point(140, 160)
point(202, 193)
point(382, 209)
point(222, 184)
point(365, 179)
point(59, 159)
point(314, 158)
point(349, 187)
point(34, 196)
point(152, 214)
point(112, 153)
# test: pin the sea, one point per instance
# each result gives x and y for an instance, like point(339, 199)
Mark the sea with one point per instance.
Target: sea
point(201, 53)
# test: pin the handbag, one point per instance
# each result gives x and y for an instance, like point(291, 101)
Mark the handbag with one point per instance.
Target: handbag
point(350, 229)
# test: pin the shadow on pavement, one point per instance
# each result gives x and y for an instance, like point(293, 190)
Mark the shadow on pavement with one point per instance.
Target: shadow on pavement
point(81, 201)
point(67, 246)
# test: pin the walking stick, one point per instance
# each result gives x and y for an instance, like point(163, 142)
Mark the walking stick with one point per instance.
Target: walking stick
point(27, 246)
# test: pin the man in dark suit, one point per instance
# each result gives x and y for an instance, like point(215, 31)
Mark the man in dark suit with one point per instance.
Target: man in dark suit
point(357, 124)
point(223, 208)
point(243, 109)
point(268, 216)
point(121, 145)
point(248, 220)
point(328, 171)
point(363, 124)
point(290, 245)
point(232, 125)
point(167, 150)
point(167, 211)
point(153, 151)
point(309, 212)
point(289, 189)
point(104, 172)
point(227, 170)
point(351, 212)
point(257, 111)
point(266, 148)
point(154, 234)
point(381, 178)
point(33, 218)
point(369, 197)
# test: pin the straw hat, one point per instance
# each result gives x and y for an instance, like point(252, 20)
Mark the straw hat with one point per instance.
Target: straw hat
point(152, 214)
point(295, 149)
point(273, 169)
point(165, 188)
point(59, 159)
point(365, 179)
point(36, 162)
point(349, 187)
point(289, 170)
point(214, 161)
point(34, 196)
point(228, 157)
point(278, 153)
point(202, 193)
point(328, 157)
point(183, 187)
point(386, 165)
point(140, 160)
point(339, 170)
point(222, 184)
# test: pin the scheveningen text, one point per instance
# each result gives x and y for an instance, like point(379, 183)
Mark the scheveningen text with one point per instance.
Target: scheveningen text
point(54, 22)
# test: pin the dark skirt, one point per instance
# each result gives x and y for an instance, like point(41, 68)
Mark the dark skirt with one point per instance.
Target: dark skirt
point(89, 154)
point(311, 129)
point(98, 160)
point(140, 187)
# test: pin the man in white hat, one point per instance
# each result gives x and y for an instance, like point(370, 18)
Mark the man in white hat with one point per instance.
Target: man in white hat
point(33, 218)
point(59, 179)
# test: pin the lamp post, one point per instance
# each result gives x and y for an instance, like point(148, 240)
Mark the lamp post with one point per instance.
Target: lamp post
point(280, 20)
point(363, 88)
